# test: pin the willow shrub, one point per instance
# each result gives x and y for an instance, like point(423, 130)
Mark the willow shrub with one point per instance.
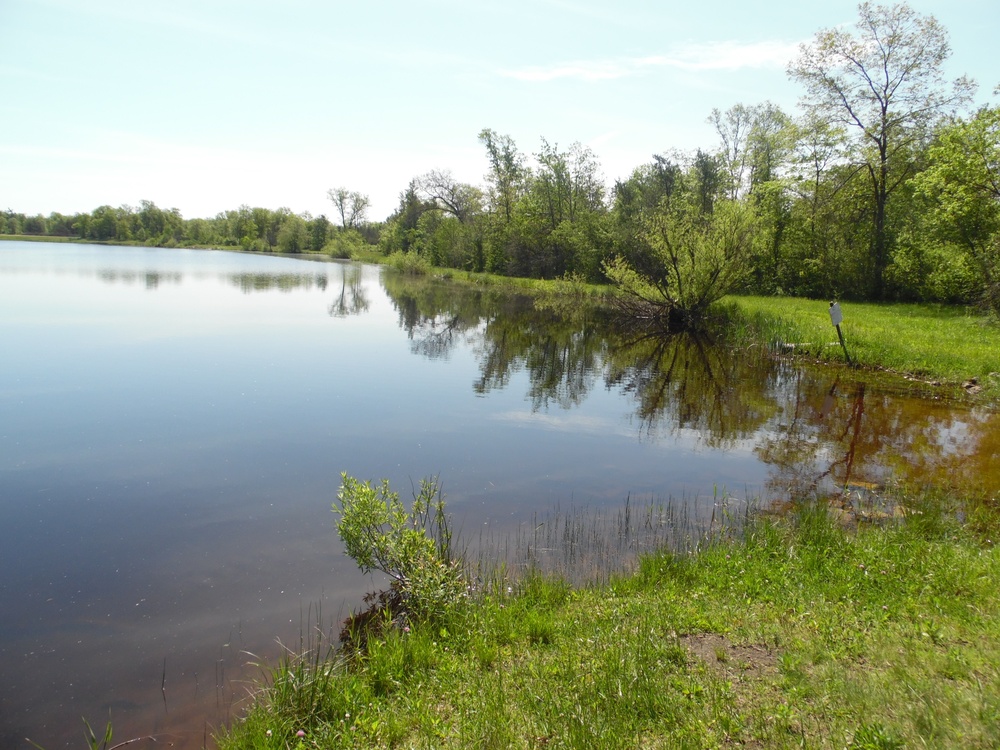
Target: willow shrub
point(411, 547)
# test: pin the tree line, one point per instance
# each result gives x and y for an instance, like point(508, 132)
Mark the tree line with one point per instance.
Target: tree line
point(256, 229)
point(884, 185)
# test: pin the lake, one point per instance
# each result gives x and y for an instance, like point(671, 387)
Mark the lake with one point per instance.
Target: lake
point(174, 423)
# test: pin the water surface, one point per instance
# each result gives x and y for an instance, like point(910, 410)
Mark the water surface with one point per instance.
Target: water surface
point(173, 424)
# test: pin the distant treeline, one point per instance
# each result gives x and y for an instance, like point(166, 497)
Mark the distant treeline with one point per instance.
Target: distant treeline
point(879, 188)
point(259, 229)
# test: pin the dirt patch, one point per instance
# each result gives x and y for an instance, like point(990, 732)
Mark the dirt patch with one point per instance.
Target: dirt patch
point(735, 662)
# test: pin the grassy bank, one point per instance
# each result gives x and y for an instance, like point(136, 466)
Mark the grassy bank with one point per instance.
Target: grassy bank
point(932, 343)
point(799, 633)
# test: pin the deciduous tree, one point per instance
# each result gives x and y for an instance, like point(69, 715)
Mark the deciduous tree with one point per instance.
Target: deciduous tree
point(885, 81)
point(351, 206)
point(963, 183)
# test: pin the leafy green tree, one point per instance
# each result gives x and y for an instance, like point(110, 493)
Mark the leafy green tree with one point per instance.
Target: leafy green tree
point(293, 236)
point(634, 202)
point(508, 172)
point(268, 225)
point(447, 218)
point(734, 128)
point(319, 232)
point(507, 181)
point(151, 221)
point(58, 225)
point(243, 229)
point(770, 143)
point(885, 82)
point(402, 232)
point(963, 185)
point(756, 142)
point(706, 180)
point(33, 224)
point(557, 224)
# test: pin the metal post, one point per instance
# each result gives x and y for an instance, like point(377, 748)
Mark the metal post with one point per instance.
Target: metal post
point(837, 317)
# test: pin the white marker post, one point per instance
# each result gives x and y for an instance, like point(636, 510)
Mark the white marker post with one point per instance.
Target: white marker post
point(837, 317)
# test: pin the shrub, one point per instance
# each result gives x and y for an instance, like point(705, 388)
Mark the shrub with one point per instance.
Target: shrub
point(410, 263)
point(413, 548)
point(345, 244)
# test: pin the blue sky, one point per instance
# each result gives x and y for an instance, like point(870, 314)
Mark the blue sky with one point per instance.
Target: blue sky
point(204, 105)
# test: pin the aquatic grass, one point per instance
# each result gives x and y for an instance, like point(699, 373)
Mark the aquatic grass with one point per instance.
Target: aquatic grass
point(586, 545)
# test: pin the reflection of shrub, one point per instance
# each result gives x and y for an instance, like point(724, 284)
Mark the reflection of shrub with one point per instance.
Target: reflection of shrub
point(413, 548)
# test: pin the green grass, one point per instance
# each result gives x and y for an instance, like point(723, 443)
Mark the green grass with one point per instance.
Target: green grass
point(800, 633)
point(935, 343)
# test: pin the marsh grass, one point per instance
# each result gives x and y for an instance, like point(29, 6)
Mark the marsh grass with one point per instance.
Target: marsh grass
point(930, 343)
point(588, 546)
point(799, 630)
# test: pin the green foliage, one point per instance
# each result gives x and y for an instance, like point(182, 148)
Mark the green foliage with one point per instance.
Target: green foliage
point(293, 236)
point(412, 547)
point(410, 263)
point(800, 632)
point(345, 244)
point(695, 259)
point(875, 737)
point(931, 271)
point(962, 184)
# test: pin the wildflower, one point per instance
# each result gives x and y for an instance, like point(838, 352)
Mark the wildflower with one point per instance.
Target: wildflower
point(406, 628)
point(267, 733)
point(300, 733)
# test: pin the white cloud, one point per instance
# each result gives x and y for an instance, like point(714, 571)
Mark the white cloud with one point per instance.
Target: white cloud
point(691, 57)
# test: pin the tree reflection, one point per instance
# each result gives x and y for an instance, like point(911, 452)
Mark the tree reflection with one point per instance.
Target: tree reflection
point(682, 381)
point(508, 333)
point(353, 297)
point(563, 359)
point(284, 282)
point(150, 279)
point(818, 436)
point(854, 438)
point(434, 315)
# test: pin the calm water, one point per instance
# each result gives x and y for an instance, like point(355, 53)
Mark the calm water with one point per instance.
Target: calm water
point(173, 425)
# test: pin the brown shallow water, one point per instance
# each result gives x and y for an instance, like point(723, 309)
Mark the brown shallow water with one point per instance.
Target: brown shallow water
point(173, 425)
